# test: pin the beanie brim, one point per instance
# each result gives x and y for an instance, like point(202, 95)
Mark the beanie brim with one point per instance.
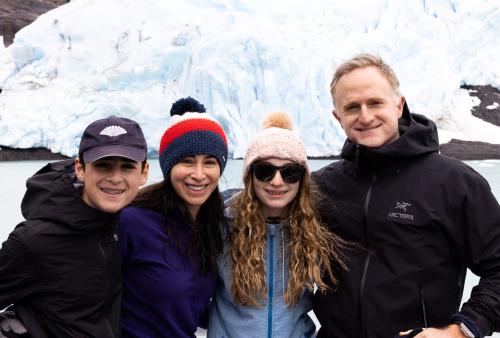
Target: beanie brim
point(194, 143)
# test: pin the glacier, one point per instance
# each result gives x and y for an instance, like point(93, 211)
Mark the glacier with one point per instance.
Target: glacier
point(242, 59)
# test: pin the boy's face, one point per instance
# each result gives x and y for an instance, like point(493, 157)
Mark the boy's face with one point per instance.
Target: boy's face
point(111, 183)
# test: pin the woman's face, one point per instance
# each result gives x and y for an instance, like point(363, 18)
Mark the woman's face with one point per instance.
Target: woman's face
point(274, 193)
point(194, 178)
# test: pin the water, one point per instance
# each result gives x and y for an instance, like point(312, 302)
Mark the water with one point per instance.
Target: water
point(14, 175)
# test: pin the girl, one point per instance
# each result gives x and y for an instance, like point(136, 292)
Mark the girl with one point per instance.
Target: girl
point(169, 239)
point(277, 249)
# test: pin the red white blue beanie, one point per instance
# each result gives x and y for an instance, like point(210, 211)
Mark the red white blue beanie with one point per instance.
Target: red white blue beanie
point(192, 134)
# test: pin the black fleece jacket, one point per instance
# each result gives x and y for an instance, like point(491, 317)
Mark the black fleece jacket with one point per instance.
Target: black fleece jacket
point(60, 267)
point(418, 220)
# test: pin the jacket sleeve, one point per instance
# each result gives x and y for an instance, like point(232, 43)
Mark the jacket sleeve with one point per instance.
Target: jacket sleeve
point(480, 234)
point(18, 267)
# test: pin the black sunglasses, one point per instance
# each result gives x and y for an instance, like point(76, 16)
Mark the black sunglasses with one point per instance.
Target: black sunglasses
point(290, 173)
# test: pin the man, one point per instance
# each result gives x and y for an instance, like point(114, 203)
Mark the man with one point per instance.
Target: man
point(417, 220)
point(61, 267)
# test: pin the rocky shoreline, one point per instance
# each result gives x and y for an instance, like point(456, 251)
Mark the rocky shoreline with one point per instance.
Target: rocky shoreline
point(30, 154)
point(462, 150)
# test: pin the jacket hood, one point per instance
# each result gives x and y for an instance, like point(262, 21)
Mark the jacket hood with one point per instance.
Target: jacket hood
point(52, 195)
point(417, 136)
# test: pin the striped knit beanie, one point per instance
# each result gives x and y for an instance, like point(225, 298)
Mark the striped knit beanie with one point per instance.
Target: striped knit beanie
point(190, 134)
point(275, 140)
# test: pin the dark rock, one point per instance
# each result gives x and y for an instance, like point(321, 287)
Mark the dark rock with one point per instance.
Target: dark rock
point(462, 150)
point(14, 154)
point(470, 150)
point(15, 14)
point(489, 96)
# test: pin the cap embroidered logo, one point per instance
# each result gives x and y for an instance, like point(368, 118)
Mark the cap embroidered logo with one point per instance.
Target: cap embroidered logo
point(112, 131)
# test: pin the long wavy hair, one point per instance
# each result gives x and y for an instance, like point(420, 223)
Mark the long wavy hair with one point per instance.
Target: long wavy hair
point(311, 247)
point(204, 231)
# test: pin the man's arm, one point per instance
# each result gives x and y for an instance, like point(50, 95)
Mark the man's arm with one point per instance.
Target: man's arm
point(474, 227)
point(481, 223)
point(17, 270)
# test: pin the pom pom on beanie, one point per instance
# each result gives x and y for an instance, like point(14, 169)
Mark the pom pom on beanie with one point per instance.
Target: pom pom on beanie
point(190, 132)
point(276, 140)
point(278, 120)
point(186, 104)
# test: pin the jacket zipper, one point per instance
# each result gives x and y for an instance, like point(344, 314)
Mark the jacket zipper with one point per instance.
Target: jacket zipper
point(106, 319)
point(424, 310)
point(270, 287)
point(367, 260)
point(356, 161)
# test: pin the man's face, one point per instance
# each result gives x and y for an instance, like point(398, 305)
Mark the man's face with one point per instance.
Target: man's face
point(111, 183)
point(367, 107)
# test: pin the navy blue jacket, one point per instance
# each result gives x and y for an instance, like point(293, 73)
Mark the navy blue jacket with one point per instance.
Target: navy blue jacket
point(164, 294)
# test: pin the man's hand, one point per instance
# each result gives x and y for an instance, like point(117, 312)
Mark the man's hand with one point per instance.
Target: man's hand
point(8, 323)
point(450, 331)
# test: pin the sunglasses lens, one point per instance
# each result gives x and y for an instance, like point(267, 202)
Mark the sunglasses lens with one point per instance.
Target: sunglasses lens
point(264, 172)
point(292, 173)
point(289, 174)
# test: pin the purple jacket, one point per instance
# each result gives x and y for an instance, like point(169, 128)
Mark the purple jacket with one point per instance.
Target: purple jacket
point(163, 293)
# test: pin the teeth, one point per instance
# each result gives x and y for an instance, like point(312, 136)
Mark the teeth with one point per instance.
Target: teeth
point(366, 129)
point(112, 191)
point(196, 187)
point(276, 192)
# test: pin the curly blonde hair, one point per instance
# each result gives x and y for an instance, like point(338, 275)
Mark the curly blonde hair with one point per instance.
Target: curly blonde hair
point(312, 248)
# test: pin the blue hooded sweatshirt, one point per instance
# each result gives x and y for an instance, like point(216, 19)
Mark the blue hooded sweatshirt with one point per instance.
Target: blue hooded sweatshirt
point(274, 318)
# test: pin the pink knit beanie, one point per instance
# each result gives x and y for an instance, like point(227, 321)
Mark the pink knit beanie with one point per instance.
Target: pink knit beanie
point(275, 140)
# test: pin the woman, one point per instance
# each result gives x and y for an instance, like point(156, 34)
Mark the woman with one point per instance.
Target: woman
point(169, 239)
point(277, 249)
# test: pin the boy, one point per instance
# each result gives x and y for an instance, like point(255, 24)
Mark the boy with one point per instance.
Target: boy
point(60, 267)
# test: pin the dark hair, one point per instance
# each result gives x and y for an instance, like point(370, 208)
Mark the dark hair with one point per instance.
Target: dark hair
point(82, 162)
point(205, 231)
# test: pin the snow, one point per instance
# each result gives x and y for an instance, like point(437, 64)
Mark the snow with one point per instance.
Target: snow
point(242, 59)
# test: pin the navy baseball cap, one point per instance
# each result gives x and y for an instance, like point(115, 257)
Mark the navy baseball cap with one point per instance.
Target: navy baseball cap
point(113, 136)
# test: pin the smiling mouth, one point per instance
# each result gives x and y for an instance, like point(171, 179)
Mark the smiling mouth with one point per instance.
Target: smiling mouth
point(367, 129)
point(276, 193)
point(197, 187)
point(112, 191)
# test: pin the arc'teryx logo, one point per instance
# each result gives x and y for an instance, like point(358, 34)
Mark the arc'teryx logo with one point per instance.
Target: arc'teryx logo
point(402, 205)
point(401, 211)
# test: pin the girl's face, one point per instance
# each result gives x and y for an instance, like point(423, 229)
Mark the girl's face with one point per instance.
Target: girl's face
point(194, 179)
point(276, 188)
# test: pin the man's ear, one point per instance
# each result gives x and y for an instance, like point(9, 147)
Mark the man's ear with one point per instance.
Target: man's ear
point(337, 116)
point(145, 174)
point(401, 104)
point(79, 171)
